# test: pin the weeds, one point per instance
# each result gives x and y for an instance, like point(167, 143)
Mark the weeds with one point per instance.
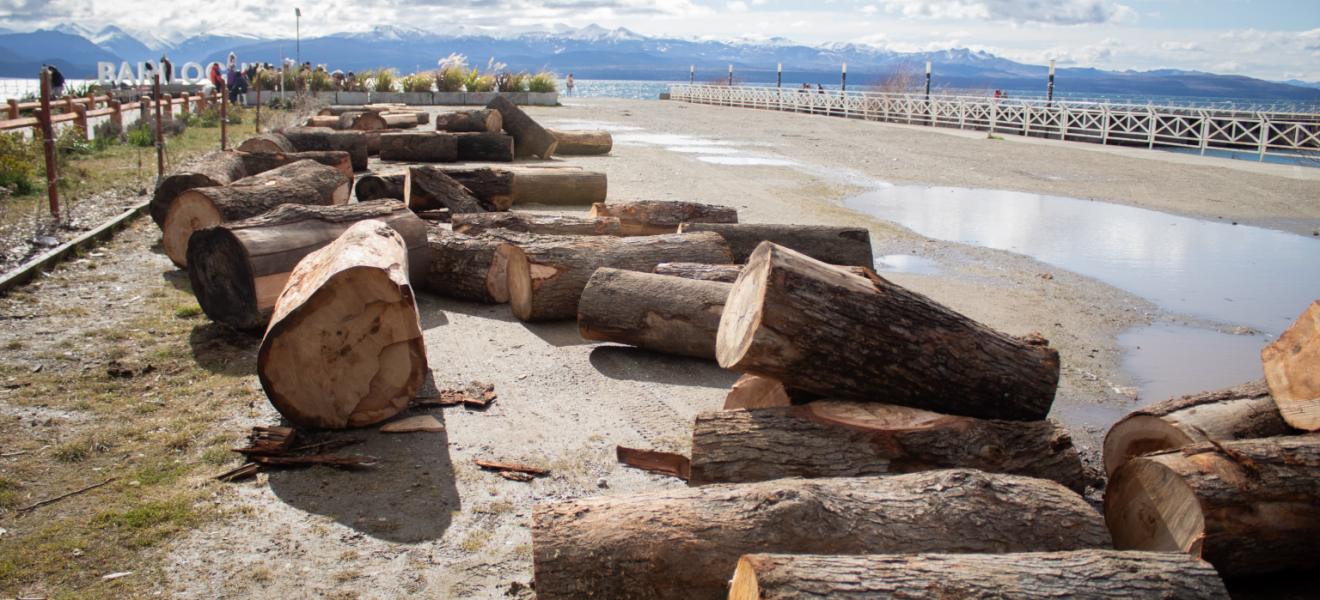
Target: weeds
point(543, 82)
point(418, 82)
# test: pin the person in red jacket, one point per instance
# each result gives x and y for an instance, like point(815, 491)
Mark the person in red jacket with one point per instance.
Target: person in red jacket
point(217, 79)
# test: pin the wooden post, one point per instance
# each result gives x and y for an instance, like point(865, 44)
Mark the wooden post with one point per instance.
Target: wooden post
point(48, 141)
point(168, 108)
point(257, 128)
point(68, 105)
point(80, 120)
point(224, 119)
point(187, 103)
point(13, 108)
point(160, 133)
point(117, 116)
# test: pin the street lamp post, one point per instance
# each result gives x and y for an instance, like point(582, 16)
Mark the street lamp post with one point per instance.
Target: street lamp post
point(297, 28)
point(1051, 90)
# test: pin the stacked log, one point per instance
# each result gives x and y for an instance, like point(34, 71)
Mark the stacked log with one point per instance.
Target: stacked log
point(328, 122)
point(267, 142)
point(485, 147)
point(658, 217)
point(475, 223)
point(365, 121)
point(380, 187)
point(431, 189)
point(317, 139)
point(1292, 369)
point(665, 314)
point(529, 138)
point(494, 187)
point(419, 147)
point(401, 120)
point(463, 266)
point(754, 391)
point(260, 162)
point(582, 143)
point(221, 168)
point(698, 271)
point(469, 121)
point(848, 246)
point(557, 186)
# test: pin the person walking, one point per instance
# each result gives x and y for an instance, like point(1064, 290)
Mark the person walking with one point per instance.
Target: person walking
point(56, 82)
point(166, 70)
point(569, 84)
point(217, 79)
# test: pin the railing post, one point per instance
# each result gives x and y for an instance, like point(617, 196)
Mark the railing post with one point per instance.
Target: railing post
point(224, 120)
point(1104, 125)
point(994, 116)
point(160, 131)
point(169, 106)
point(117, 116)
point(1205, 131)
point(48, 142)
point(13, 108)
point(1264, 134)
point(1151, 124)
point(962, 113)
point(80, 120)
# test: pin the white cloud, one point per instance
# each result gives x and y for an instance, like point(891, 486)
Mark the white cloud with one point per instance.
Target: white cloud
point(1184, 46)
point(759, 2)
point(870, 10)
point(738, 6)
point(1052, 12)
point(1227, 67)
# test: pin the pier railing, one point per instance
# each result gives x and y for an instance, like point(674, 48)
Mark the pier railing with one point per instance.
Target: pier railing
point(1151, 126)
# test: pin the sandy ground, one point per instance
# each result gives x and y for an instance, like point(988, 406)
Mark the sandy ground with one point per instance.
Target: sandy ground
point(427, 523)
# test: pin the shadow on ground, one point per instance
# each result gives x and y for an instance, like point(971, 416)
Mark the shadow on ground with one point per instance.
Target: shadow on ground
point(222, 349)
point(637, 364)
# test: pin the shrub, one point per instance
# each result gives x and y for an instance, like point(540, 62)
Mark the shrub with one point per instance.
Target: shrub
point(513, 82)
point(453, 68)
point(141, 136)
point(20, 162)
point(543, 82)
point(476, 81)
point(417, 82)
point(209, 117)
point(321, 81)
point(382, 79)
point(235, 115)
point(72, 141)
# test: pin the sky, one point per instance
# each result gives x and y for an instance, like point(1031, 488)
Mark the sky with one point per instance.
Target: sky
point(1270, 39)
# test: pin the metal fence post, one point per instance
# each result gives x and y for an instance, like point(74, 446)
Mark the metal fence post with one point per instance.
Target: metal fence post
point(1264, 135)
point(48, 142)
point(160, 132)
point(224, 119)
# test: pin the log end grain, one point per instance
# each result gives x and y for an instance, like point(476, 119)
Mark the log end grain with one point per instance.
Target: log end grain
point(1292, 369)
point(190, 211)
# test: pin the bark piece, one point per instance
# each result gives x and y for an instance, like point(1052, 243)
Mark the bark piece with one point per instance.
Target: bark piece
point(651, 461)
point(469, 121)
point(665, 314)
point(221, 168)
point(462, 266)
point(429, 188)
point(260, 162)
point(419, 147)
point(555, 186)
point(847, 246)
point(475, 223)
point(344, 347)
point(511, 466)
point(269, 440)
point(659, 217)
point(206, 207)
point(317, 139)
point(529, 138)
point(485, 147)
point(267, 142)
point(582, 143)
point(1292, 369)
point(823, 329)
point(700, 272)
point(339, 109)
point(425, 423)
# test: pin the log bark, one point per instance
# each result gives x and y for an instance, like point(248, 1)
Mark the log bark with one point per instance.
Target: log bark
point(373, 140)
point(322, 139)
point(339, 109)
point(847, 246)
point(344, 347)
point(558, 186)
point(221, 168)
point(330, 122)
point(582, 143)
point(238, 269)
point(823, 329)
point(548, 273)
point(1077, 575)
point(469, 121)
point(685, 543)
point(345, 120)
point(429, 189)
point(1248, 507)
point(380, 187)
point(205, 207)
point(485, 147)
point(1241, 412)
point(419, 147)
point(840, 438)
point(700, 272)
point(267, 142)
point(400, 120)
point(461, 266)
point(529, 138)
point(665, 314)
point(475, 223)
point(1292, 369)
point(260, 162)
point(367, 121)
point(494, 187)
point(659, 217)
point(330, 182)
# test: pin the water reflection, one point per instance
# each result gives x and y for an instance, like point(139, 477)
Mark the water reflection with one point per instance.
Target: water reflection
point(906, 263)
point(1170, 361)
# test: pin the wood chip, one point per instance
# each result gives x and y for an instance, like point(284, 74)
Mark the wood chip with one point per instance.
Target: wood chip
point(243, 472)
point(422, 423)
point(510, 466)
point(269, 440)
point(444, 398)
point(652, 461)
point(516, 476)
point(114, 576)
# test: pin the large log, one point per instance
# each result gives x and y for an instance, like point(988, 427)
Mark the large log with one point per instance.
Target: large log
point(823, 329)
point(841, 438)
point(344, 347)
point(221, 168)
point(238, 269)
point(684, 543)
point(582, 143)
point(339, 109)
point(698, 271)
point(367, 121)
point(474, 223)
point(430, 189)
point(330, 182)
point(1248, 507)
point(1292, 369)
point(558, 186)
point(1241, 412)
point(462, 266)
point(380, 187)
point(329, 122)
point(267, 142)
point(848, 246)
point(400, 120)
point(316, 139)
point(469, 121)
point(659, 217)
point(485, 147)
point(494, 187)
point(260, 162)
point(548, 273)
point(1077, 575)
point(529, 138)
point(665, 314)
point(422, 146)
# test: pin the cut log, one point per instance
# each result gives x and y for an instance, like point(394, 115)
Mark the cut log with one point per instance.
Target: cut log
point(345, 120)
point(659, 217)
point(1241, 412)
point(373, 140)
point(328, 181)
point(260, 162)
point(323, 139)
point(367, 121)
point(339, 109)
point(494, 187)
point(221, 168)
point(754, 391)
point(380, 187)
point(205, 207)
point(582, 143)
point(395, 120)
point(469, 121)
point(474, 223)
point(651, 461)
point(485, 147)
point(344, 347)
point(461, 266)
point(429, 189)
point(700, 272)
point(267, 142)
point(238, 269)
point(529, 138)
point(558, 187)
point(823, 329)
point(685, 543)
point(1079, 575)
point(548, 273)
point(319, 121)
point(848, 246)
point(1248, 507)
point(1292, 369)
point(665, 314)
point(419, 147)
point(841, 438)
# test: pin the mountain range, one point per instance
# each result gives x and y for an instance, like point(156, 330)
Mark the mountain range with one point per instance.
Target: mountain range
point(594, 52)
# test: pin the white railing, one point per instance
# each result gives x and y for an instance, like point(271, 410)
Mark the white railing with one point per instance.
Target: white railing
point(1102, 123)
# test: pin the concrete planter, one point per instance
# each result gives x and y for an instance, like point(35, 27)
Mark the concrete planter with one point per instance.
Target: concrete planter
point(449, 98)
point(351, 97)
point(386, 97)
point(416, 98)
point(480, 98)
point(519, 98)
point(542, 98)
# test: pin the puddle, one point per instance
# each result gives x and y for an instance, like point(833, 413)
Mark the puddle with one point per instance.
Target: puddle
point(906, 263)
point(666, 139)
point(1170, 361)
point(702, 150)
point(585, 125)
point(746, 161)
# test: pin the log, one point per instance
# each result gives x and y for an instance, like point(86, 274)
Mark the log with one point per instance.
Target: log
point(260, 162)
point(1292, 369)
point(847, 246)
point(474, 223)
point(395, 120)
point(205, 207)
point(461, 266)
point(380, 187)
point(345, 120)
point(659, 217)
point(485, 147)
point(238, 269)
point(267, 142)
point(429, 189)
point(547, 274)
point(221, 168)
point(700, 272)
point(339, 109)
point(823, 329)
point(1248, 507)
point(330, 182)
point(344, 347)
point(582, 142)
point(665, 314)
point(367, 121)
point(322, 139)
point(684, 543)
point(841, 438)
point(1077, 575)
point(419, 147)
point(529, 138)
point(469, 121)
point(1241, 412)
point(373, 140)
point(754, 391)
point(494, 187)
point(319, 121)
point(558, 187)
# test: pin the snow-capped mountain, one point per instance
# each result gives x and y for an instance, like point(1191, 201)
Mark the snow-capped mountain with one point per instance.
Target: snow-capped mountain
point(123, 45)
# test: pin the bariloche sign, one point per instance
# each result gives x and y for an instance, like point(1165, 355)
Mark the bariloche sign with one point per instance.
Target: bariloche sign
point(191, 74)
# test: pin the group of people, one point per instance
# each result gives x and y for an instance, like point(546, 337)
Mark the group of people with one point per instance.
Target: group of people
point(820, 89)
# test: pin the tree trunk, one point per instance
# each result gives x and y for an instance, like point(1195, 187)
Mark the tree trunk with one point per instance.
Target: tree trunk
point(848, 246)
point(529, 138)
point(221, 168)
point(754, 391)
point(665, 314)
point(1241, 412)
point(840, 438)
point(367, 121)
point(322, 139)
point(685, 543)
point(548, 273)
point(239, 269)
point(462, 266)
point(469, 121)
point(494, 187)
point(419, 147)
point(1078, 575)
point(582, 143)
point(700, 272)
point(820, 328)
point(558, 186)
point(485, 147)
point(330, 122)
point(429, 188)
point(330, 182)
point(205, 207)
point(379, 187)
point(344, 347)
point(261, 162)
point(1248, 507)
point(398, 120)
point(475, 223)
point(659, 217)
point(1292, 369)
point(267, 142)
